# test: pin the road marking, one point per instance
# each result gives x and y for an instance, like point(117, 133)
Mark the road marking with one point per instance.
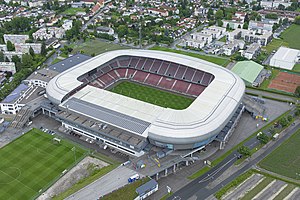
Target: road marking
point(210, 176)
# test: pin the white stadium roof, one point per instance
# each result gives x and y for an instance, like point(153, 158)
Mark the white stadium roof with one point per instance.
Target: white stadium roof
point(205, 117)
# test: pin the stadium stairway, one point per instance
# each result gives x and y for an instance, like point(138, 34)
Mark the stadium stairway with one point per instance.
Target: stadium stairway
point(21, 117)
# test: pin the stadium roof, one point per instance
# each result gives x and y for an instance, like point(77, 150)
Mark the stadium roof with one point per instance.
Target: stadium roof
point(201, 120)
point(69, 62)
point(247, 70)
point(285, 58)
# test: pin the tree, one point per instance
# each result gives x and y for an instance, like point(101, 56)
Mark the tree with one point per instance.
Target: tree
point(297, 20)
point(245, 26)
point(219, 23)
point(15, 59)
point(297, 91)
point(244, 150)
point(210, 14)
point(281, 7)
point(31, 52)
point(27, 60)
point(239, 26)
point(289, 118)
point(2, 56)
point(263, 138)
point(219, 14)
point(283, 122)
point(10, 46)
point(227, 27)
point(43, 49)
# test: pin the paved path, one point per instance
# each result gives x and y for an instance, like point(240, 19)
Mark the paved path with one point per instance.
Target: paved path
point(270, 94)
point(112, 181)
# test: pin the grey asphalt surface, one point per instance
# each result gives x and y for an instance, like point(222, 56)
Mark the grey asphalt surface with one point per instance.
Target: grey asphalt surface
point(296, 195)
point(198, 187)
point(112, 181)
point(270, 191)
point(270, 94)
point(244, 187)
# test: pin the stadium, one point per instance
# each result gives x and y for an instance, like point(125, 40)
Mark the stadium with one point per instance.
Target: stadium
point(91, 104)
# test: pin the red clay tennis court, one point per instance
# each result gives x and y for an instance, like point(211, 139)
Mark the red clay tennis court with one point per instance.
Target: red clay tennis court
point(285, 82)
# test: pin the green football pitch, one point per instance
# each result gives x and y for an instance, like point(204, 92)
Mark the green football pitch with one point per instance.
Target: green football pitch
point(32, 162)
point(152, 95)
point(285, 160)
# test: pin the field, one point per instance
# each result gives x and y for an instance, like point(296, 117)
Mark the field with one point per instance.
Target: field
point(152, 95)
point(73, 11)
point(217, 60)
point(297, 67)
point(285, 160)
point(285, 82)
point(96, 47)
point(32, 162)
point(274, 45)
point(291, 36)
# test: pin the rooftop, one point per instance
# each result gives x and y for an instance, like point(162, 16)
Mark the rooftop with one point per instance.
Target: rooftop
point(69, 62)
point(14, 95)
point(247, 70)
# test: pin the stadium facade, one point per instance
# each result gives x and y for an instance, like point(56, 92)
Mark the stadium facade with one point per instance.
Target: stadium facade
point(89, 109)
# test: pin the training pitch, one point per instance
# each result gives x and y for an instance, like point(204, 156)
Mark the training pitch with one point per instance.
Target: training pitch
point(32, 162)
point(152, 95)
point(285, 160)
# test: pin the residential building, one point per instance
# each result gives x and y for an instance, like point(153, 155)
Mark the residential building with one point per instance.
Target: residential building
point(232, 46)
point(107, 30)
point(24, 48)
point(10, 54)
point(47, 33)
point(15, 38)
point(232, 24)
point(3, 47)
point(252, 51)
point(260, 26)
point(157, 11)
point(8, 67)
point(12, 103)
point(273, 4)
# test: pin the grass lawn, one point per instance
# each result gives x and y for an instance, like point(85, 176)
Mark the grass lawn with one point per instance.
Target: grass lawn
point(291, 36)
point(152, 95)
point(274, 45)
point(126, 192)
point(56, 60)
point(285, 160)
point(296, 68)
point(96, 47)
point(217, 60)
point(32, 162)
point(267, 82)
point(223, 39)
point(73, 11)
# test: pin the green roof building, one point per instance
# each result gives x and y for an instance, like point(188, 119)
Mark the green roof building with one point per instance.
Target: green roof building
point(249, 71)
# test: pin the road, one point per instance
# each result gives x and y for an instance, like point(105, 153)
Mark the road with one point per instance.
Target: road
point(270, 94)
point(112, 181)
point(198, 188)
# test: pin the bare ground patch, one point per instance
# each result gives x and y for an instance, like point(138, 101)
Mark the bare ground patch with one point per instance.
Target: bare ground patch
point(82, 170)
